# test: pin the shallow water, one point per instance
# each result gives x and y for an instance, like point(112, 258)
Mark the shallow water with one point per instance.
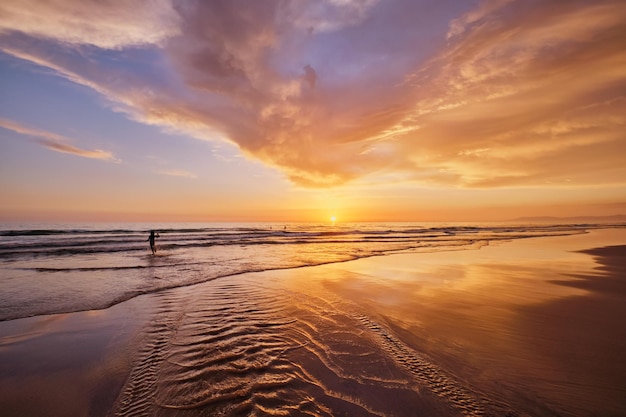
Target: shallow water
point(47, 269)
point(250, 345)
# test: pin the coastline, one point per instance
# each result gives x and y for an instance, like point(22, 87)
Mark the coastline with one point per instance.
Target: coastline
point(532, 323)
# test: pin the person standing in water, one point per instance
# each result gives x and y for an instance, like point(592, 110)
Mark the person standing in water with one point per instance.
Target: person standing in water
point(152, 238)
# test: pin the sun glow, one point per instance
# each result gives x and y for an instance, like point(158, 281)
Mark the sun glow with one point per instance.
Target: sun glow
point(333, 219)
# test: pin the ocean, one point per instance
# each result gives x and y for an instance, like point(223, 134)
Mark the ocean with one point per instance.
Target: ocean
point(46, 269)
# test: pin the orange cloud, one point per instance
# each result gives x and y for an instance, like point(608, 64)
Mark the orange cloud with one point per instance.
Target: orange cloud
point(516, 93)
point(178, 173)
point(56, 142)
point(542, 90)
point(109, 24)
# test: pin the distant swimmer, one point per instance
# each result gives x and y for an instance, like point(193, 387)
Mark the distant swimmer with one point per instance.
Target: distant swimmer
point(152, 237)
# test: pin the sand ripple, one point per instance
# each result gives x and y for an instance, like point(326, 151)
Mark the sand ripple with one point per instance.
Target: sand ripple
point(238, 348)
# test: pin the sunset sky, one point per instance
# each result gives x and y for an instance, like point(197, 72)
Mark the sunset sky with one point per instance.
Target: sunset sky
point(279, 110)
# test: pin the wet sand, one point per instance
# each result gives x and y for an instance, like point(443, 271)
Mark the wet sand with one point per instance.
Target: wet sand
point(530, 327)
point(535, 323)
point(67, 364)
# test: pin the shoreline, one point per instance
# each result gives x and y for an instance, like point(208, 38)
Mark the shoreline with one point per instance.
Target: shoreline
point(430, 304)
point(471, 245)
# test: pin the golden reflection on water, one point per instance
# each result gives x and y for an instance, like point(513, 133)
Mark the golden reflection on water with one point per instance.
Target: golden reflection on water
point(509, 315)
point(514, 273)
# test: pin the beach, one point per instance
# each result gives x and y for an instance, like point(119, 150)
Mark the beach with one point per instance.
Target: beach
point(512, 327)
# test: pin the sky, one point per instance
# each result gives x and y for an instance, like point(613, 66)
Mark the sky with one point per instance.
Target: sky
point(297, 110)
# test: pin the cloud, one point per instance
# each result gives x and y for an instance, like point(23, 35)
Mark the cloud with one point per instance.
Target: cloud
point(459, 25)
point(325, 15)
point(310, 76)
point(541, 87)
point(105, 24)
point(178, 173)
point(56, 142)
point(511, 93)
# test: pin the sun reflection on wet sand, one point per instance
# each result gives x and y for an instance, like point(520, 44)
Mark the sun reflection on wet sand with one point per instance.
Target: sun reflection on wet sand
point(513, 319)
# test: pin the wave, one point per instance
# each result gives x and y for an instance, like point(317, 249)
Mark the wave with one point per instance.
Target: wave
point(80, 269)
point(68, 242)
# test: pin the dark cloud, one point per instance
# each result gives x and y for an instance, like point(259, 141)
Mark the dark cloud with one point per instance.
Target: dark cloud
point(310, 76)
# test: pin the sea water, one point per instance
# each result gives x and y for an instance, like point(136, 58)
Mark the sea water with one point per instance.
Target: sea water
point(54, 268)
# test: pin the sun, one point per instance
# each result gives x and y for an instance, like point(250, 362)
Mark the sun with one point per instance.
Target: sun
point(333, 219)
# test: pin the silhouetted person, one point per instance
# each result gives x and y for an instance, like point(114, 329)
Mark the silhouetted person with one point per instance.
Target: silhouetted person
point(152, 237)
